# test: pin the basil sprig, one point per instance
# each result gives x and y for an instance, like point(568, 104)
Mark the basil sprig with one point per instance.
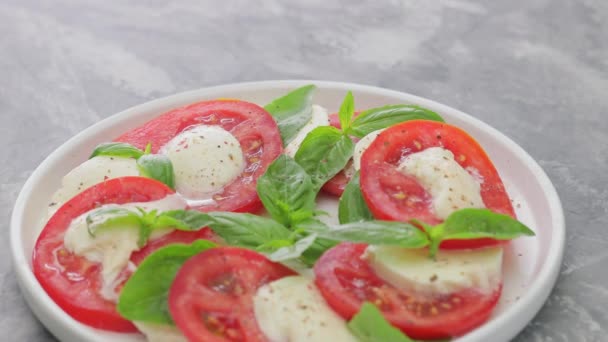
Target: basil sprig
point(146, 221)
point(382, 117)
point(155, 166)
point(292, 111)
point(117, 149)
point(470, 223)
point(465, 224)
point(352, 206)
point(286, 191)
point(145, 295)
point(369, 325)
point(323, 153)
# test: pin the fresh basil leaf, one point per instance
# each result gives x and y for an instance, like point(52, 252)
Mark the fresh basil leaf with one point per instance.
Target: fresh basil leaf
point(292, 111)
point(109, 218)
point(383, 117)
point(293, 251)
point(369, 325)
point(323, 153)
point(182, 219)
point(346, 112)
point(472, 223)
point(117, 149)
point(319, 246)
point(352, 206)
point(373, 233)
point(247, 230)
point(157, 166)
point(144, 296)
point(286, 191)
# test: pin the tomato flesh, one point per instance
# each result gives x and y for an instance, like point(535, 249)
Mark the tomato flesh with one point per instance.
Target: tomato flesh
point(211, 298)
point(346, 281)
point(72, 281)
point(392, 195)
point(250, 124)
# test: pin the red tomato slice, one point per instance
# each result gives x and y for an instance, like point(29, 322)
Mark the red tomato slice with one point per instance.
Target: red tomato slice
point(346, 281)
point(392, 195)
point(74, 282)
point(211, 298)
point(249, 123)
point(336, 185)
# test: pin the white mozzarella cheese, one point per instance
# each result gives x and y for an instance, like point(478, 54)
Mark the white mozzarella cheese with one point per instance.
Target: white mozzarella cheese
point(453, 270)
point(205, 159)
point(320, 117)
point(89, 173)
point(112, 248)
point(160, 332)
point(292, 309)
point(362, 145)
point(450, 185)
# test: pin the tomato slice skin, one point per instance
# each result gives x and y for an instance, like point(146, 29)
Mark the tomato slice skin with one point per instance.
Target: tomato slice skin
point(254, 128)
point(383, 187)
point(346, 281)
point(211, 298)
point(72, 281)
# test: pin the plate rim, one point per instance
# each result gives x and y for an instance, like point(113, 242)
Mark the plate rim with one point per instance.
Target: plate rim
point(516, 317)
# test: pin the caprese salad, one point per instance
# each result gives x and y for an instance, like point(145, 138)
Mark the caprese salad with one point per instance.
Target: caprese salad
point(202, 225)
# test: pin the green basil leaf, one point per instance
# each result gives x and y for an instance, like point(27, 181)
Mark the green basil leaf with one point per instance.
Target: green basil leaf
point(144, 296)
point(117, 149)
point(474, 223)
point(346, 112)
point(320, 245)
point(157, 166)
point(286, 191)
point(352, 206)
point(247, 230)
point(369, 325)
point(293, 251)
point(383, 117)
point(292, 111)
point(373, 233)
point(188, 220)
point(110, 218)
point(323, 153)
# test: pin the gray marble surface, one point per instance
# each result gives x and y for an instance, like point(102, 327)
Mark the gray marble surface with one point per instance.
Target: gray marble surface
point(536, 70)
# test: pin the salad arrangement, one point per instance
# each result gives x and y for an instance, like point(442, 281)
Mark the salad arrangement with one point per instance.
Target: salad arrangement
point(202, 225)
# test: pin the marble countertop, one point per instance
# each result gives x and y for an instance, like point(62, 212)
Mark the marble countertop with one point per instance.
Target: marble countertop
point(536, 70)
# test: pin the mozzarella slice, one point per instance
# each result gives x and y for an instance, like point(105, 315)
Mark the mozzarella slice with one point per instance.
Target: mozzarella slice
point(160, 332)
point(453, 270)
point(320, 117)
point(362, 145)
point(205, 159)
point(112, 248)
point(292, 309)
point(450, 185)
point(89, 173)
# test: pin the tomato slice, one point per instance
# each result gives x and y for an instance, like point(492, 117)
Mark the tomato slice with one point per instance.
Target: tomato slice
point(250, 124)
point(346, 281)
point(391, 195)
point(211, 298)
point(72, 281)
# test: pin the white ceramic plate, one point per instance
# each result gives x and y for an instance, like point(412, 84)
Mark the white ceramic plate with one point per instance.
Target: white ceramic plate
point(531, 264)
